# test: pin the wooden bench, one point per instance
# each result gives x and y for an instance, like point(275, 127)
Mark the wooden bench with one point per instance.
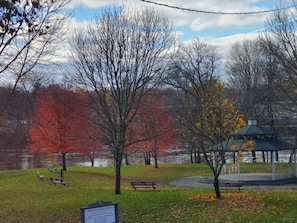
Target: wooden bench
point(231, 184)
point(40, 177)
point(58, 180)
point(144, 184)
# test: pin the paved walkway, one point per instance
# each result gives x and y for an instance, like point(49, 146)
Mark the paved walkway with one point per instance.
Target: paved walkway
point(249, 181)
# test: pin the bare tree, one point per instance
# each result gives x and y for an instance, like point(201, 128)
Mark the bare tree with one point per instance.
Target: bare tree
point(254, 75)
point(244, 69)
point(28, 31)
point(117, 60)
point(281, 42)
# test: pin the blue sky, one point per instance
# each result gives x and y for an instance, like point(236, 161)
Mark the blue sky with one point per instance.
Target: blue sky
point(219, 30)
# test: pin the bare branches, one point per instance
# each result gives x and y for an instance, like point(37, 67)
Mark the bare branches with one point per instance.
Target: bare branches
point(118, 59)
point(28, 31)
point(282, 39)
point(193, 66)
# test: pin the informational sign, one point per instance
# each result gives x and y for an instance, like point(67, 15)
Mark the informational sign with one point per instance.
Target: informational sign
point(100, 212)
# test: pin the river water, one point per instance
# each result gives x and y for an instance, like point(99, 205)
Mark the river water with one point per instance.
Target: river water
point(27, 161)
point(283, 157)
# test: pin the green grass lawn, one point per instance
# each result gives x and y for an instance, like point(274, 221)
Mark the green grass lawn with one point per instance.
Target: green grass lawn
point(25, 198)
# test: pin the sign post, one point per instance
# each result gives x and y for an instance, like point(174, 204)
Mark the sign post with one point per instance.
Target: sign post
point(100, 212)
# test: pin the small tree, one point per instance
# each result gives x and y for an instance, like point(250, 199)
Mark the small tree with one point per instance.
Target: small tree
point(158, 126)
point(219, 119)
point(91, 139)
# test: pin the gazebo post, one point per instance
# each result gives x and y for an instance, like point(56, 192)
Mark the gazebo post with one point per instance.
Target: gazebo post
point(214, 159)
point(238, 165)
point(273, 164)
point(295, 163)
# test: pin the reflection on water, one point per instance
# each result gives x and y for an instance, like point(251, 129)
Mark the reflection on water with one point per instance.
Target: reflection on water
point(283, 157)
point(99, 162)
point(26, 161)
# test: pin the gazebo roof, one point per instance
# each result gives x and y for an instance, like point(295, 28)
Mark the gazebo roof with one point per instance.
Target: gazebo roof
point(259, 144)
point(252, 129)
point(262, 139)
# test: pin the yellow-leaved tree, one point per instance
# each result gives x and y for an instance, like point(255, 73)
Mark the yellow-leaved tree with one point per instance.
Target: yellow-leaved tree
point(219, 116)
point(218, 119)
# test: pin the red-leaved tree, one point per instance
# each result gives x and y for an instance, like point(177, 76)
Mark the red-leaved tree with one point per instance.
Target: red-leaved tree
point(60, 124)
point(157, 127)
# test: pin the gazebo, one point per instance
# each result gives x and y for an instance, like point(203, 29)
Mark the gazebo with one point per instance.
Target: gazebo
point(255, 138)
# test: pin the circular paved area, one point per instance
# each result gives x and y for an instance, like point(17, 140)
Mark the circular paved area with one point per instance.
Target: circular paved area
point(249, 181)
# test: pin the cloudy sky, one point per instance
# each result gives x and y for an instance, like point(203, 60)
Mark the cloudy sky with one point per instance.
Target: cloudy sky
point(218, 29)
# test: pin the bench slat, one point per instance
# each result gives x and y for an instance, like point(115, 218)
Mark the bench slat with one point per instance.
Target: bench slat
point(231, 184)
point(143, 184)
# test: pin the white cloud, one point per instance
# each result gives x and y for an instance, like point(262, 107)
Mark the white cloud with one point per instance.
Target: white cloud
point(197, 21)
point(94, 4)
point(225, 43)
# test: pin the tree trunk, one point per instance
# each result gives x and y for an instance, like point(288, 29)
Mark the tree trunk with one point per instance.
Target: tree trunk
point(156, 161)
point(254, 156)
point(92, 158)
point(118, 177)
point(223, 157)
point(217, 187)
point(197, 155)
point(290, 157)
point(126, 160)
point(64, 161)
point(62, 174)
point(191, 155)
point(147, 158)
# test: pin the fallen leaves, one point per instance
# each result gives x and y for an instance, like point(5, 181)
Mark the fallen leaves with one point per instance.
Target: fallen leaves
point(234, 200)
point(203, 197)
point(217, 209)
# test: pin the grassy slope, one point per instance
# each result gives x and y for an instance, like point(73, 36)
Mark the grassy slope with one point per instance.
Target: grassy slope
point(24, 198)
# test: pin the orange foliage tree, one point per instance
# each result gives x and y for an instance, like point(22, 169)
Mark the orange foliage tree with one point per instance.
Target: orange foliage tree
point(154, 127)
point(60, 123)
